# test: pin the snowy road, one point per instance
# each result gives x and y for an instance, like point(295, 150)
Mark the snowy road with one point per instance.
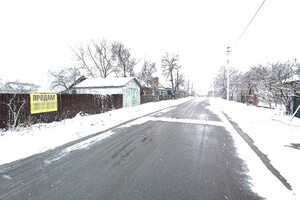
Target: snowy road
point(181, 153)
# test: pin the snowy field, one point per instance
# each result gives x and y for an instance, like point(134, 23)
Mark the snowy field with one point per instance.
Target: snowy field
point(273, 133)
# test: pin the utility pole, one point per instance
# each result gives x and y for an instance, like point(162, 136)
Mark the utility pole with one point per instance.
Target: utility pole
point(188, 88)
point(192, 90)
point(228, 51)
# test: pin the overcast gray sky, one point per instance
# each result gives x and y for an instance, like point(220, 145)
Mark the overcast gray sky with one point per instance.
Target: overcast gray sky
point(36, 35)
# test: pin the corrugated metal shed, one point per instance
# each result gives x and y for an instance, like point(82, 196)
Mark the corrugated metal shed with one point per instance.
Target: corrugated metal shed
point(128, 87)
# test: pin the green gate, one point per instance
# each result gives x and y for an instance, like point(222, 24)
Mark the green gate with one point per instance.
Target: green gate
point(296, 105)
point(132, 97)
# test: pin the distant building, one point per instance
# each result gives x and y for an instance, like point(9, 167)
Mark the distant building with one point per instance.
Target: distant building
point(17, 87)
point(129, 87)
point(294, 84)
point(6, 88)
point(164, 92)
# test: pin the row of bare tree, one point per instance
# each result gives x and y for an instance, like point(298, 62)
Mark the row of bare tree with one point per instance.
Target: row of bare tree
point(101, 59)
point(274, 83)
point(96, 60)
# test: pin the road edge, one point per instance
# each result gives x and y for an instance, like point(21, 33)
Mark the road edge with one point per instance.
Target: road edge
point(263, 157)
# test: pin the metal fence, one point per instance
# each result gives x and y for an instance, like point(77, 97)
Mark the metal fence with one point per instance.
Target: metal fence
point(15, 108)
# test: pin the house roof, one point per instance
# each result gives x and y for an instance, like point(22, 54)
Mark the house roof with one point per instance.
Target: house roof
point(77, 81)
point(164, 84)
point(294, 78)
point(106, 82)
point(166, 87)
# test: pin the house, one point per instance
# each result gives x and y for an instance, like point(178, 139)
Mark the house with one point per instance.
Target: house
point(129, 87)
point(294, 84)
point(18, 87)
point(72, 85)
point(146, 90)
point(6, 88)
point(155, 92)
point(181, 94)
point(163, 92)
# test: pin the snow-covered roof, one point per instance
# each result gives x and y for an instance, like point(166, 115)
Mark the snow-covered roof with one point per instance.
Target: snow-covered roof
point(6, 88)
point(292, 79)
point(18, 87)
point(105, 82)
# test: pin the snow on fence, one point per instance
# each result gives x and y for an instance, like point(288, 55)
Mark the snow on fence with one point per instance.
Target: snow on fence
point(15, 108)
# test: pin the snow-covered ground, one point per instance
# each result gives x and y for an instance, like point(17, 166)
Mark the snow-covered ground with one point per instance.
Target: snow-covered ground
point(24, 142)
point(272, 132)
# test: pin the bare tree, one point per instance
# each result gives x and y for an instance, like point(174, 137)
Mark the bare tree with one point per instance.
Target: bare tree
point(279, 84)
point(236, 86)
point(146, 74)
point(81, 57)
point(96, 58)
point(179, 81)
point(124, 60)
point(220, 83)
point(169, 65)
point(272, 83)
point(15, 106)
point(64, 78)
point(257, 80)
point(105, 58)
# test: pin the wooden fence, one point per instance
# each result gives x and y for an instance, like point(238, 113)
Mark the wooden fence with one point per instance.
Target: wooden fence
point(154, 98)
point(149, 98)
point(69, 105)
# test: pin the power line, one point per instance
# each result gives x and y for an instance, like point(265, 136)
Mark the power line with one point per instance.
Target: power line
point(230, 49)
point(249, 24)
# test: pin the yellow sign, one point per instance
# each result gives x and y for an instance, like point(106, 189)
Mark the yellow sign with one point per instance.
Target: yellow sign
point(41, 103)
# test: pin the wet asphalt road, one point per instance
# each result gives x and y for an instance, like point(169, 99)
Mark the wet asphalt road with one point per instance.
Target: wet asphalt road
point(171, 155)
